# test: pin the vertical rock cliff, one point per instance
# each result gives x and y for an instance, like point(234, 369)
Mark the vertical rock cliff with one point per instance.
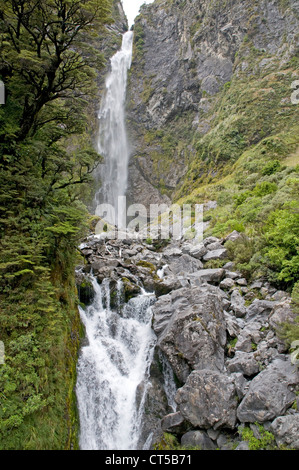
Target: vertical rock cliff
point(188, 56)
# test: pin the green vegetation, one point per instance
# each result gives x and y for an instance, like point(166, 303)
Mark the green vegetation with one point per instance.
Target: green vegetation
point(264, 440)
point(170, 442)
point(290, 331)
point(248, 163)
point(46, 161)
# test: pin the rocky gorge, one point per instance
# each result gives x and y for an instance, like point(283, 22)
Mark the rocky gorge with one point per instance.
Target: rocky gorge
point(218, 371)
point(147, 341)
point(233, 380)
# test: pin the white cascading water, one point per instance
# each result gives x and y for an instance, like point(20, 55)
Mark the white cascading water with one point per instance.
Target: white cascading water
point(113, 370)
point(169, 382)
point(112, 141)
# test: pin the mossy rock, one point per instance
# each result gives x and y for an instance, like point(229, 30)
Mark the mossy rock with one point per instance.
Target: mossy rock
point(86, 293)
point(130, 289)
point(147, 265)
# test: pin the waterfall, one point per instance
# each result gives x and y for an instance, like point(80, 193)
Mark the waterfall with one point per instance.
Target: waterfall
point(169, 382)
point(112, 140)
point(113, 370)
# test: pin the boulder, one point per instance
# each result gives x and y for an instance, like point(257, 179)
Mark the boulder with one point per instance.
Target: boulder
point(168, 284)
point(227, 284)
point(184, 264)
point(286, 431)
point(198, 251)
point(243, 362)
point(174, 423)
point(231, 274)
point(232, 325)
point(270, 393)
point(238, 304)
point(198, 439)
point(282, 313)
point(214, 246)
point(209, 240)
point(86, 291)
point(215, 254)
point(208, 399)
point(233, 236)
point(214, 276)
point(260, 310)
point(191, 329)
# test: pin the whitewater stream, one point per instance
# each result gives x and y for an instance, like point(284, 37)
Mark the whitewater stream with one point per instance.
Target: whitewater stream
point(113, 369)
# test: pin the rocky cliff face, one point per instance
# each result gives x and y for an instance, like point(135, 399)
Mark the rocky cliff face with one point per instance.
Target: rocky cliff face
point(187, 54)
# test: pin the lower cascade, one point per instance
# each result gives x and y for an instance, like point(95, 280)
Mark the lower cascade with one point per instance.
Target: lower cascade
point(113, 369)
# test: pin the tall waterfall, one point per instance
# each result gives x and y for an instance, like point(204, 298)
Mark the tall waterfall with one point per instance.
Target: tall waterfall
point(112, 141)
point(113, 370)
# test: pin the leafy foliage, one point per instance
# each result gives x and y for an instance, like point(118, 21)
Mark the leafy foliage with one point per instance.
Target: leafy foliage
point(46, 163)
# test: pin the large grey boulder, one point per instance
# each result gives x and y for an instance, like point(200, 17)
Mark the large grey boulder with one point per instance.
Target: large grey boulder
point(213, 276)
point(270, 393)
point(198, 439)
point(245, 363)
point(184, 264)
point(221, 253)
point(260, 310)
point(282, 313)
point(286, 430)
point(198, 251)
point(174, 423)
point(191, 329)
point(208, 399)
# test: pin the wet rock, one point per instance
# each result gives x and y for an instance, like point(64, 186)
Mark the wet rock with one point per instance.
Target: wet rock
point(166, 285)
point(86, 292)
point(174, 423)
